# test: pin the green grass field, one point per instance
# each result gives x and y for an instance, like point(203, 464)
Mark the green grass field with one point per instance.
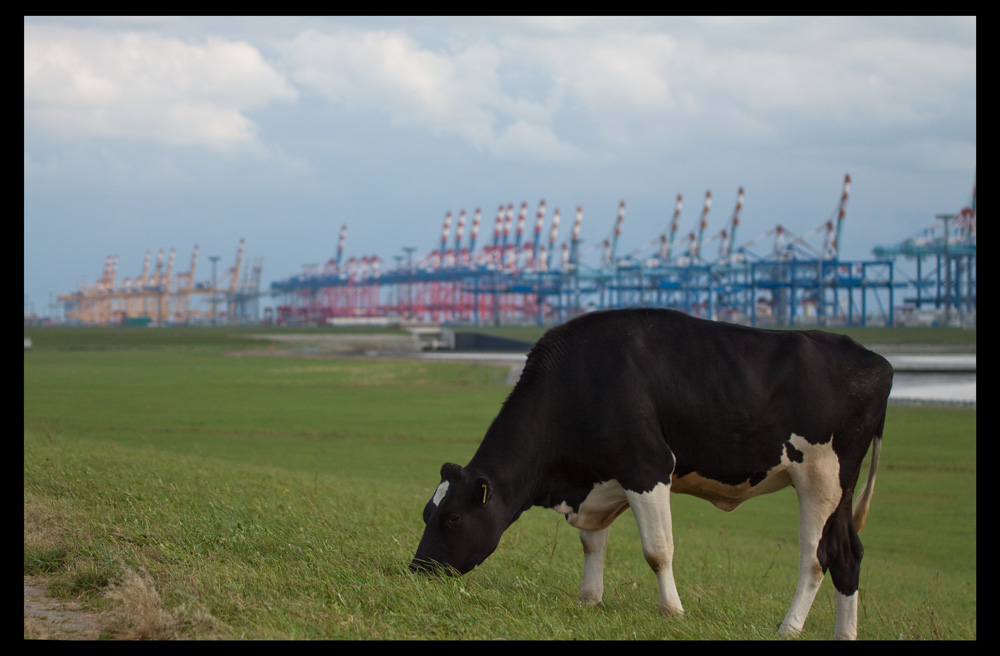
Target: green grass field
point(273, 497)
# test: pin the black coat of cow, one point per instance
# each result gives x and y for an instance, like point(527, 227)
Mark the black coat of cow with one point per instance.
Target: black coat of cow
point(617, 409)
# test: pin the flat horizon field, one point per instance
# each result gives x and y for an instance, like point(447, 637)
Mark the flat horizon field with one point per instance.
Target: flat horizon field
point(182, 492)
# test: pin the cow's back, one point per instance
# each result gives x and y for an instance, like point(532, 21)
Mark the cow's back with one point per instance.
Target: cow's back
point(613, 384)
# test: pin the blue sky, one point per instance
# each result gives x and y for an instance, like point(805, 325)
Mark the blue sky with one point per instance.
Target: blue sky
point(149, 133)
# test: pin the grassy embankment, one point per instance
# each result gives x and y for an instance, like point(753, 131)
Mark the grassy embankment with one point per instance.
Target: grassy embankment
point(280, 498)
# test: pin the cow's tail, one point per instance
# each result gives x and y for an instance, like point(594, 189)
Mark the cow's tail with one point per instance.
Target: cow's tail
point(861, 507)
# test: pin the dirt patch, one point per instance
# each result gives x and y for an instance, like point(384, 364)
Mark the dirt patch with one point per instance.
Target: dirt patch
point(133, 609)
point(136, 613)
point(47, 618)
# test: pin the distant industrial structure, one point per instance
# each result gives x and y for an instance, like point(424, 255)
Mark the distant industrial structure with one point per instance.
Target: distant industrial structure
point(162, 296)
point(944, 286)
point(777, 278)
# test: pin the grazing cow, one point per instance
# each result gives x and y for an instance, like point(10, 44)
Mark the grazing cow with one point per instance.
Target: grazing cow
point(618, 409)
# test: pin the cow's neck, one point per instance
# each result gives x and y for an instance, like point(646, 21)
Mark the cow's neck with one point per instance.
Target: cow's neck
point(511, 456)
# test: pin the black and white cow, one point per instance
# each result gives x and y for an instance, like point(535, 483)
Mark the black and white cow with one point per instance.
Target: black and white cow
point(618, 409)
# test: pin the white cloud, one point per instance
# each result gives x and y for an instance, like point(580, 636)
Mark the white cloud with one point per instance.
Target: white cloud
point(621, 86)
point(631, 72)
point(534, 142)
point(576, 85)
point(842, 74)
point(452, 93)
point(85, 83)
point(382, 71)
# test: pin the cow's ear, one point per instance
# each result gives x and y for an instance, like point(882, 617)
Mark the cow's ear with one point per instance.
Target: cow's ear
point(451, 472)
point(482, 491)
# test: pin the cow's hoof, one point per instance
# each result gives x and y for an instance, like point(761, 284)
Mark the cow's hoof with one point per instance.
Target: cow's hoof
point(672, 611)
point(788, 631)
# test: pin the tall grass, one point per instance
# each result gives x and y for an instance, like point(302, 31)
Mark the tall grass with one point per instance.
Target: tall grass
point(274, 497)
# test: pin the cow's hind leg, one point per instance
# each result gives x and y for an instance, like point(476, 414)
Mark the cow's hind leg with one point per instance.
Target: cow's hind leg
point(817, 485)
point(840, 551)
point(594, 545)
point(652, 513)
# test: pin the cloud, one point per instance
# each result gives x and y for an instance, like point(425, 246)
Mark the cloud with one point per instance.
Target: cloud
point(535, 89)
point(616, 89)
point(88, 83)
point(389, 72)
point(523, 139)
point(629, 71)
point(451, 92)
point(854, 77)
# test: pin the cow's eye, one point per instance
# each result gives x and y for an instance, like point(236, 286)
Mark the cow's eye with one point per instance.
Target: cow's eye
point(451, 519)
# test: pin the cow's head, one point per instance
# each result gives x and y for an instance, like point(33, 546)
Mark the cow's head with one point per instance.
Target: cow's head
point(462, 527)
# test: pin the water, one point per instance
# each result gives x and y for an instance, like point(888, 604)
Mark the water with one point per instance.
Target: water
point(933, 378)
point(959, 389)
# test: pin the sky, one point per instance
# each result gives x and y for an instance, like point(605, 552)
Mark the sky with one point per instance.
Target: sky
point(151, 133)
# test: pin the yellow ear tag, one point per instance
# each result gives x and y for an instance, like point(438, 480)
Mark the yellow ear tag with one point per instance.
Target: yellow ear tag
point(484, 492)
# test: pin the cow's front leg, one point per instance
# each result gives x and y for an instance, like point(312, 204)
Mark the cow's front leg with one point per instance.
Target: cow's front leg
point(594, 545)
point(652, 513)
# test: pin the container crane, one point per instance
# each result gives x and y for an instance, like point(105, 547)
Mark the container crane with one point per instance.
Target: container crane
point(574, 251)
point(832, 251)
point(668, 241)
point(476, 218)
point(611, 246)
point(459, 233)
point(552, 239)
point(185, 286)
point(728, 234)
point(163, 287)
point(340, 246)
point(733, 225)
point(702, 224)
point(445, 233)
point(539, 220)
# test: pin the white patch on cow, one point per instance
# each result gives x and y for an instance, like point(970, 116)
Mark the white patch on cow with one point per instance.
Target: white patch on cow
point(652, 514)
point(563, 508)
point(602, 506)
point(440, 492)
point(728, 497)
